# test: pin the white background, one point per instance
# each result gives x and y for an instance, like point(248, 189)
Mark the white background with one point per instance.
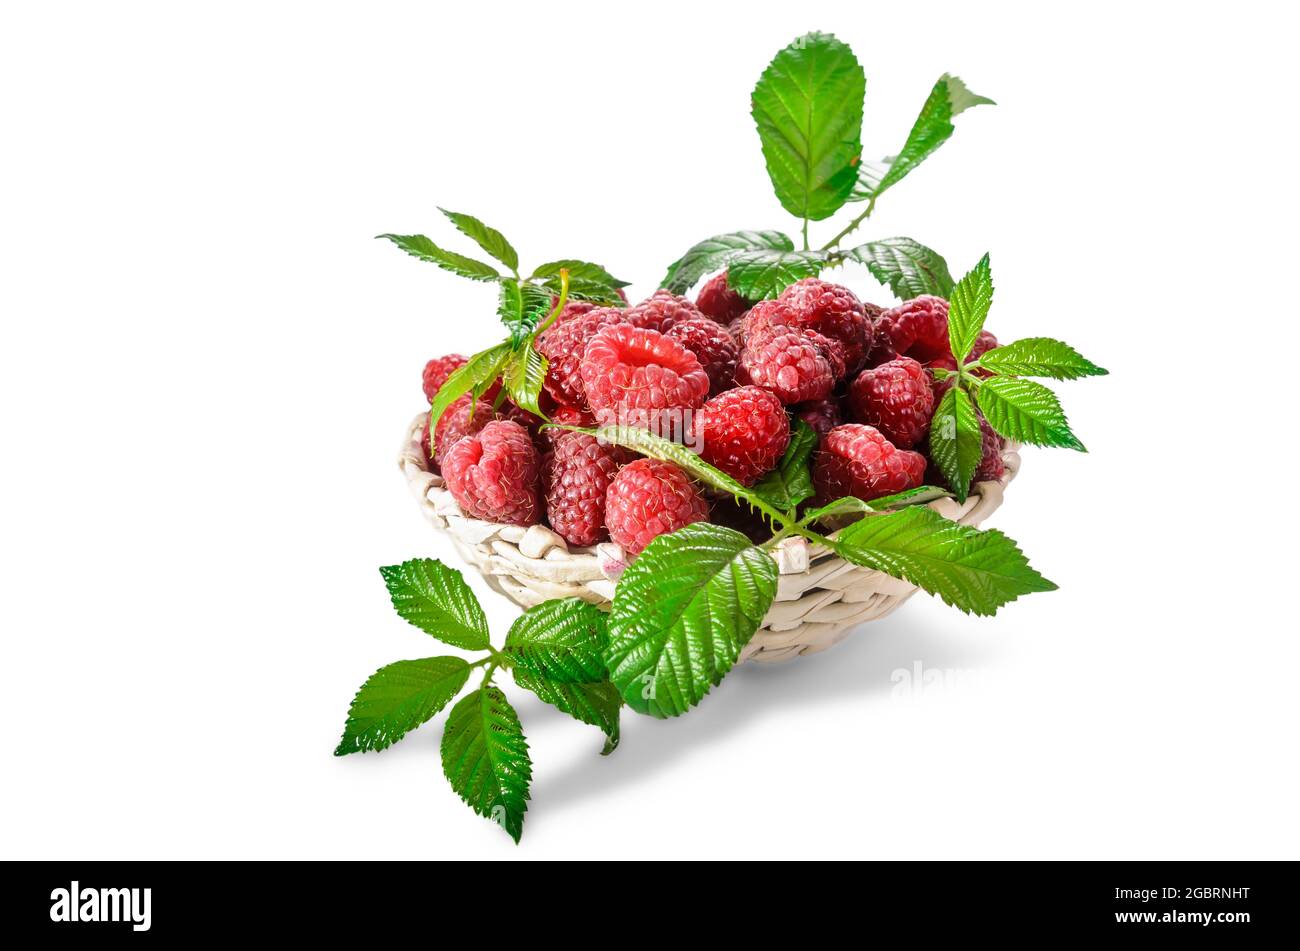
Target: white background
point(207, 363)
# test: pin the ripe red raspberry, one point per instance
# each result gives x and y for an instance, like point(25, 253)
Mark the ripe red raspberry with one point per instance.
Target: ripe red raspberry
point(712, 346)
point(855, 459)
point(717, 300)
point(917, 328)
point(562, 345)
point(788, 364)
point(573, 308)
point(661, 310)
point(575, 477)
point(832, 311)
point(833, 350)
point(493, 474)
point(565, 416)
point(649, 498)
point(896, 398)
point(461, 418)
point(629, 368)
point(821, 415)
point(437, 370)
point(743, 432)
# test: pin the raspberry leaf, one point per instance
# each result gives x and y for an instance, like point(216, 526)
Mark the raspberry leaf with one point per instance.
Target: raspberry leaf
point(477, 373)
point(791, 481)
point(523, 378)
point(974, 571)
point(712, 253)
point(808, 109)
point(489, 239)
point(762, 274)
point(561, 640)
point(485, 758)
point(418, 246)
point(397, 699)
point(1040, 356)
point(969, 308)
point(587, 281)
point(1025, 411)
point(955, 441)
point(851, 505)
point(437, 600)
point(932, 128)
point(595, 703)
point(907, 267)
point(682, 613)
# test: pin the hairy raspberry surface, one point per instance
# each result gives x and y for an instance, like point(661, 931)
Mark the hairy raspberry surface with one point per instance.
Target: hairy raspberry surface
point(917, 328)
point(576, 478)
point(788, 364)
point(437, 370)
point(562, 344)
point(630, 368)
point(493, 474)
point(821, 415)
point(649, 498)
point(661, 310)
point(832, 311)
point(712, 346)
point(461, 418)
point(565, 416)
point(743, 432)
point(896, 398)
point(717, 300)
point(856, 459)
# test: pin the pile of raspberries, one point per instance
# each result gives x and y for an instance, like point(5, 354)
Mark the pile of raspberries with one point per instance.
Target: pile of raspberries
point(856, 373)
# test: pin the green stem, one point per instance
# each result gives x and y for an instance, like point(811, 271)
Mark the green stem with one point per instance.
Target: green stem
point(559, 303)
point(805, 234)
point(852, 225)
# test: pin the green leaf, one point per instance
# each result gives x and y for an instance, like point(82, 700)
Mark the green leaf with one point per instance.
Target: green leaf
point(578, 271)
point(850, 505)
point(974, 571)
point(485, 758)
point(955, 441)
point(1040, 356)
point(712, 254)
point(477, 373)
point(870, 175)
point(791, 481)
point(808, 109)
point(908, 267)
point(417, 245)
point(968, 309)
point(1025, 411)
point(562, 640)
point(682, 613)
point(762, 274)
point(437, 600)
point(932, 128)
point(523, 378)
point(489, 239)
point(397, 699)
point(594, 703)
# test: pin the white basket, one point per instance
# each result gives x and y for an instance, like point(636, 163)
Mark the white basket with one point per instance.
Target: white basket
point(819, 596)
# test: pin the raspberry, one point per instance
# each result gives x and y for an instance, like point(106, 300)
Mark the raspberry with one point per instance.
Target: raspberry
point(426, 445)
point(565, 416)
point(437, 370)
point(649, 498)
point(858, 460)
point(462, 418)
point(917, 328)
point(821, 415)
point(562, 345)
point(630, 368)
point(832, 311)
point(493, 474)
point(576, 476)
point(832, 350)
point(573, 308)
point(661, 310)
point(712, 346)
point(896, 398)
point(788, 364)
point(717, 300)
point(743, 432)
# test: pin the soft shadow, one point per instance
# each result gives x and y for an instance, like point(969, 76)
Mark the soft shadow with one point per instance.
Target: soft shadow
point(861, 665)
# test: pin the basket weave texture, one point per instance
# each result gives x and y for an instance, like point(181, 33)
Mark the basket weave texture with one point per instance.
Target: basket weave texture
point(819, 596)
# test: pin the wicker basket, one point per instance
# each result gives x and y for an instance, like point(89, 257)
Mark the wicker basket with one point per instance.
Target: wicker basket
point(819, 596)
